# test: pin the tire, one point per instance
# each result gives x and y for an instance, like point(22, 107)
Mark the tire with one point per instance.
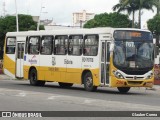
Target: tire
point(65, 85)
point(123, 89)
point(88, 82)
point(33, 79)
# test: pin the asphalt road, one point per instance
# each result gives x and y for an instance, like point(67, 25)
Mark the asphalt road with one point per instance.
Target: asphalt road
point(16, 95)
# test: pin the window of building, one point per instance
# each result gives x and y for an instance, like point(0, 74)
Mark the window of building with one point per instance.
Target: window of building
point(60, 47)
point(75, 45)
point(46, 45)
point(90, 45)
point(10, 45)
point(33, 45)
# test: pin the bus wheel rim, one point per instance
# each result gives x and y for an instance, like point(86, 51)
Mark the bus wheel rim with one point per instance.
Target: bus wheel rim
point(33, 77)
point(89, 81)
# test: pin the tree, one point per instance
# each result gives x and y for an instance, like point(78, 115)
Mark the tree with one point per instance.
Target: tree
point(115, 20)
point(8, 24)
point(144, 4)
point(135, 5)
point(154, 27)
point(157, 5)
point(126, 5)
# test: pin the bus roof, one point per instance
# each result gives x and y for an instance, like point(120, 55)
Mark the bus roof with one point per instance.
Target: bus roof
point(102, 30)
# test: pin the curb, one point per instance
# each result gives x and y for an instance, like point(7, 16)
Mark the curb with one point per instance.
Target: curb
point(154, 88)
point(4, 77)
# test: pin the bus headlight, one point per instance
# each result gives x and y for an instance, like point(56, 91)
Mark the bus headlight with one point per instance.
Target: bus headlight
point(150, 75)
point(118, 74)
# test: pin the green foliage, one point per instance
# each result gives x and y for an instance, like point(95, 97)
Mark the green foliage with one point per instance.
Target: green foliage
point(41, 27)
point(25, 22)
point(154, 25)
point(8, 24)
point(115, 20)
point(131, 6)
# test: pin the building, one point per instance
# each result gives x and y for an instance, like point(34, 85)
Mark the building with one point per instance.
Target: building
point(43, 22)
point(80, 18)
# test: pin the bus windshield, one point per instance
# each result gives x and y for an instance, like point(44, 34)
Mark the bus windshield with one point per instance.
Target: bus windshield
point(133, 53)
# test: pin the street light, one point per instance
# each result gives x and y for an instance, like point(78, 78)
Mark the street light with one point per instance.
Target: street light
point(38, 24)
point(16, 16)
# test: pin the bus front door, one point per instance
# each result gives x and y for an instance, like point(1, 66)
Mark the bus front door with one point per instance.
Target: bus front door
point(105, 57)
point(19, 59)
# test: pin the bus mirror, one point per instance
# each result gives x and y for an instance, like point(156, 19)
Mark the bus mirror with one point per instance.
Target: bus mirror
point(111, 47)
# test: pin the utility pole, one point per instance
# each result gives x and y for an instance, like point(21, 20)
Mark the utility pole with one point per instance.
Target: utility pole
point(16, 16)
point(39, 18)
point(38, 24)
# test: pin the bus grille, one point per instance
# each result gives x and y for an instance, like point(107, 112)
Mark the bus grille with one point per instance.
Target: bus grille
point(135, 82)
point(134, 78)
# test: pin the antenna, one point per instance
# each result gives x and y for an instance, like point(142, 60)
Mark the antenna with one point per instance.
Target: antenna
point(4, 8)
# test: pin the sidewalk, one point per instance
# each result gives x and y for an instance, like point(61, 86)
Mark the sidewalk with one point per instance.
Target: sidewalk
point(4, 77)
point(1, 71)
point(155, 87)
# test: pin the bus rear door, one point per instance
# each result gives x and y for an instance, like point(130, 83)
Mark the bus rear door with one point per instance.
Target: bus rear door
point(19, 57)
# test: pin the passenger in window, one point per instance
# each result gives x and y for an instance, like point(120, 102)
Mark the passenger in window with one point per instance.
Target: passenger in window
point(62, 50)
point(87, 51)
point(75, 51)
point(35, 50)
point(70, 50)
point(47, 50)
point(94, 50)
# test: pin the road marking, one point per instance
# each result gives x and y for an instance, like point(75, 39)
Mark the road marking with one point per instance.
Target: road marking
point(88, 101)
point(22, 94)
point(53, 97)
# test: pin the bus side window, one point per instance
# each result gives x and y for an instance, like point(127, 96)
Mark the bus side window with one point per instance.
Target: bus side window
point(75, 45)
point(26, 47)
point(33, 45)
point(108, 52)
point(60, 47)
point(46, 45)
point(10, 45)
point(90, 45)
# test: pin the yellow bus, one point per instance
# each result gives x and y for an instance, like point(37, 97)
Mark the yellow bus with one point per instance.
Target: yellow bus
point(109, 57)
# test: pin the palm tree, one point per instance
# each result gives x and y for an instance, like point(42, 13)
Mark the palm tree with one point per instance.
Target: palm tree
point(133, 6)
point(157, 5)
point(144, 4)
point(127, 5)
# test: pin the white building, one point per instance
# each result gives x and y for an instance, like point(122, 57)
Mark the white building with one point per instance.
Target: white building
point(80, 18)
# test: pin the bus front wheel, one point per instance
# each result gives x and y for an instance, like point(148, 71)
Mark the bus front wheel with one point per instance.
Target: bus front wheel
point(123, 89)
point(33, 78)
point(88, 82)
point(65, 85)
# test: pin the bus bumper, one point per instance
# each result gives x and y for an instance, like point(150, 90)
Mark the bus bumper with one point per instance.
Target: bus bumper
point(131, 83)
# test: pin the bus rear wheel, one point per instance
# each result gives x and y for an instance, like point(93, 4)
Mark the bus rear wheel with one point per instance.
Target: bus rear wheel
point(123, 89)
point(65, 85)
point(88, 82)
point(33, 78)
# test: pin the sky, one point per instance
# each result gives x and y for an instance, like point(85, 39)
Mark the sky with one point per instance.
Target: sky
point(61, 10)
